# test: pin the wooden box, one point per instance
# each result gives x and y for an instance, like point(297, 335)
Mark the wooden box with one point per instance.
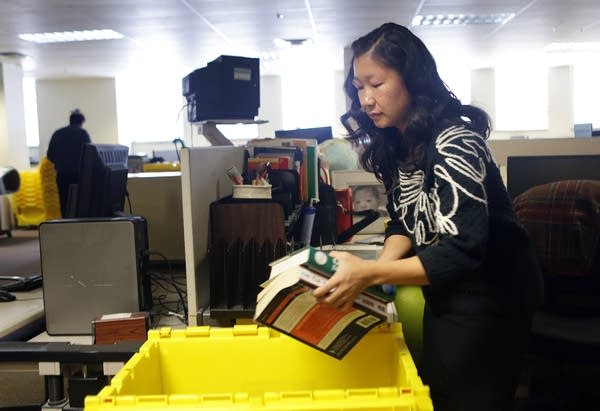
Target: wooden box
point(112, 328)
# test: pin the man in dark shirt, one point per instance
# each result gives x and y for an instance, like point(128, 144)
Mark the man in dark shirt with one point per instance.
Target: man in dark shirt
point(64, 151)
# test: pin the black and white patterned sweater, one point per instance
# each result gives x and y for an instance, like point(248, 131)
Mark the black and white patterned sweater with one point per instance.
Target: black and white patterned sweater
point(460, 221)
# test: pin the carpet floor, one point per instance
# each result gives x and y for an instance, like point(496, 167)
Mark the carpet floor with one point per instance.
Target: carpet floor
point(20, 253)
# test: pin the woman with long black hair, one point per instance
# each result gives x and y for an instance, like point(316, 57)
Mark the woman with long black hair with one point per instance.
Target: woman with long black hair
point(452, 230)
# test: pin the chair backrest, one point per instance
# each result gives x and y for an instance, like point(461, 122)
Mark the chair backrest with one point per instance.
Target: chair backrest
point(563, 221)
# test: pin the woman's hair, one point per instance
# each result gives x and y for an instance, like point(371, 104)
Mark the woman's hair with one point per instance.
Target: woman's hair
point(433, 105)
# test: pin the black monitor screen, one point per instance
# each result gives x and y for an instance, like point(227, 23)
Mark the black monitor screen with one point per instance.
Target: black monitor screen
point(102, 183)
point(525, 172)
point(318, 133)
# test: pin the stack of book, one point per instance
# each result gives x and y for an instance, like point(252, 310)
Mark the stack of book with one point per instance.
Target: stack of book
point(300, 155)
point(286, 304)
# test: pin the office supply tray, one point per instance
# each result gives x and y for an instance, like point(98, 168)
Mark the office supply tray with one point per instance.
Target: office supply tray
point(246, 235)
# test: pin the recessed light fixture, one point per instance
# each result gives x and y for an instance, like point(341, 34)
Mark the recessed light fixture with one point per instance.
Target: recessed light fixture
point(26, 61)
point(572, 46)
point(68, 36)
point(461, 19)
point(284, 43)
point(12, 54)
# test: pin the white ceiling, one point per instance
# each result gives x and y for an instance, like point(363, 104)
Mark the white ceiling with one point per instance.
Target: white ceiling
point(186, 34)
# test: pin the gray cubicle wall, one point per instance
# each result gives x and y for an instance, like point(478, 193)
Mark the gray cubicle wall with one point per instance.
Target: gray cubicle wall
point(502, 149)
point(157, 197)
point(203, 180)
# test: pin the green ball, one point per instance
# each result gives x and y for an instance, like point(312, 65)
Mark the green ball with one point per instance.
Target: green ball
point(409, 304)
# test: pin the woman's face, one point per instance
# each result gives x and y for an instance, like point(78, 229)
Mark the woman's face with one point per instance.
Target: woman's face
point(382, 93)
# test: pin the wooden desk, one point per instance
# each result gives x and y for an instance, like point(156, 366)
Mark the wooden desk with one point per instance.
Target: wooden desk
point(21, 318)
point(24, 317)
point(20, 383)
point(171, 322)
point(26, 367)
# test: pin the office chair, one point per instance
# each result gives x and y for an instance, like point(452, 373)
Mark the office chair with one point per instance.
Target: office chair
point(563, 221)
point(9, 183)
point(9, 180)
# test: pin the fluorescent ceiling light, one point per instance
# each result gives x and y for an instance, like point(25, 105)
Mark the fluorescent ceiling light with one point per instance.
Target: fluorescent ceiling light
point(461, 19)
point(572, 46)
point(67, 36)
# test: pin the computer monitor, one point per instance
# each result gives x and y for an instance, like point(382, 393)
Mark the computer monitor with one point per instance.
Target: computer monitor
point(102, 185)
point(318, 133)
point(525, 172)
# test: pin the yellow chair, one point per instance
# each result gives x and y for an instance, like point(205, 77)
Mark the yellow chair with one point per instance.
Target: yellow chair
point(51, 199)
point(37, 199)
point(27, 201)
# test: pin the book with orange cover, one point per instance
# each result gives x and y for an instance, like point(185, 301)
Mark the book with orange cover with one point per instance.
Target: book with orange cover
point(276, 163)
point(286, 304)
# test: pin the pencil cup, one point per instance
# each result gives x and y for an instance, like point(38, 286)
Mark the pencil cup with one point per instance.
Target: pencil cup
point(252, 191)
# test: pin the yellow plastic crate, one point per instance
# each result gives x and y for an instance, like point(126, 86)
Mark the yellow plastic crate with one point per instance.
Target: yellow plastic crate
point(156, 167)
point(246, 367)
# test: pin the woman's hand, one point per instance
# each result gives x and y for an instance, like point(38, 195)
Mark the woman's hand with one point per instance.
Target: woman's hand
point(350, 279)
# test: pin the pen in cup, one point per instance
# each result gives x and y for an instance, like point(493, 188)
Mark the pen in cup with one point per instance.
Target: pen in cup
point(265, 170)
point(260, 177)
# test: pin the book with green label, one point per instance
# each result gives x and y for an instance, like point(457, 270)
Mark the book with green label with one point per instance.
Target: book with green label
point(286, 304)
